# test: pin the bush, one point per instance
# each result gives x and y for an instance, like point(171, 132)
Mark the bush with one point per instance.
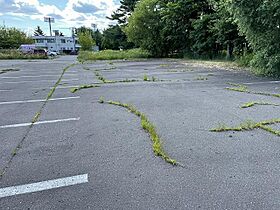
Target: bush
point(245, 60)
point(113, 55)
point(15, 54)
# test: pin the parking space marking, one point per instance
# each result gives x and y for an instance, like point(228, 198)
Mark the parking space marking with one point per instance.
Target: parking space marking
point(66, 80)
point(37, 76)
point(39, 100)
point(44, 185)
point(39, 123)
point(267, 82)
point(6, 90)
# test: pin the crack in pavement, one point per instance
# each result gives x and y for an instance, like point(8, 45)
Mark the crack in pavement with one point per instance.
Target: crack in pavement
point(34, 120)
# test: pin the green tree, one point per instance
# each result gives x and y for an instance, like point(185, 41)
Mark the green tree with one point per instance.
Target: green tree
point(114, 38)
point(177, 19)
point(86, 41)
point(259, 21)
point(12, 38)
point(83, 29)
point(124, 11)
point(97, 36)
point(145, 26)
point(38, 32)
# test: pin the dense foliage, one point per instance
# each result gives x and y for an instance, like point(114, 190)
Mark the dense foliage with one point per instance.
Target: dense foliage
point(114, 38)
point(240, 29)
point(12, 38)
point(259, 20)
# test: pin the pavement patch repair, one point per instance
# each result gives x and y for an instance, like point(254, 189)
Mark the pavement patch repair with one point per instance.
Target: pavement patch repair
point(201, 137)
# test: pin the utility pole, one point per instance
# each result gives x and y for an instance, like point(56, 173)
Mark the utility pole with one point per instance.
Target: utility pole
point(50, 20)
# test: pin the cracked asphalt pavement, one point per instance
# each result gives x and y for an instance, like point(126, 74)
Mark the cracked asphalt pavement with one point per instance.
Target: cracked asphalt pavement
point(76, 135)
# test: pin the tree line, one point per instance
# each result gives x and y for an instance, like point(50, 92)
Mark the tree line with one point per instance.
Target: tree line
point(244, 29)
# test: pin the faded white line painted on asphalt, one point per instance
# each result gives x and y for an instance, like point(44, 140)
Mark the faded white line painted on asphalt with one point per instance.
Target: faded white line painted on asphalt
point(39, 100)
point(66, 80)
point(267, 82)
point(44, 185)
point(5, 90)
point(39, 123)
point(37, 76)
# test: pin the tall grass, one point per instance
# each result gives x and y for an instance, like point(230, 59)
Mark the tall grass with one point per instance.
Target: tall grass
point(113, 55)
point(15, 54)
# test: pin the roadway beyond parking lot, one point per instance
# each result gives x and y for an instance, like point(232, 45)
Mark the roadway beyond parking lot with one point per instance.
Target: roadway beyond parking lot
point(72, 152)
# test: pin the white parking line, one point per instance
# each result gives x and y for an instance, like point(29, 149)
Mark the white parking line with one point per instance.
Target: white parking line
point(6, 90)
point(37, 76)
point(44, 185)
point(66, 80)
point(267, 82)
point(39, 100)
point(39, 123)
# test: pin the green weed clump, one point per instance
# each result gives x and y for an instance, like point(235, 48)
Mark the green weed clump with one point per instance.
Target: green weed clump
point(113, 55)
point(253, 103)
point(251, 125)
point(153, 79)
point(145, 78)
point(148, 127)
point(75, 89)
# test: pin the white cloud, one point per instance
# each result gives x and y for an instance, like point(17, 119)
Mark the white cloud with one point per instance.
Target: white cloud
point(75, 13)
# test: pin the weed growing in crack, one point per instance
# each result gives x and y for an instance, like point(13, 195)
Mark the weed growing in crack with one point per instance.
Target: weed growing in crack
point(244, 89)
point(253, 103)
point(145, 78)
point(149, 128)
point(238, 88)
point(251, 125)
point(201, 78)
point(153, 79)
point(3, 71)
point(75, 89)
point(102, 78)
point(101, 100)
point(36, 117)
point(14, 152)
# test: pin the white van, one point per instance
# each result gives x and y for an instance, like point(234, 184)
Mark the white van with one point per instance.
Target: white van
point(27, 48)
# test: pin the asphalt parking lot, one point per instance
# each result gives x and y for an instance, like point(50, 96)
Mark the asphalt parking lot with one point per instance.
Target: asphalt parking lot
point(81, 154)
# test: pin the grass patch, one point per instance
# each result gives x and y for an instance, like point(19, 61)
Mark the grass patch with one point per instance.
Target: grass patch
point(113, 55)
point(254, 103)
point(251, 125)
point(15, 54)
point(75, 89)
point(3, 71)
point(245, 89)
point(148, 127)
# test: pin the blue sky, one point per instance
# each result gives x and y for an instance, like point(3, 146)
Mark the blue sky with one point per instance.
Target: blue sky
point(27, 14)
